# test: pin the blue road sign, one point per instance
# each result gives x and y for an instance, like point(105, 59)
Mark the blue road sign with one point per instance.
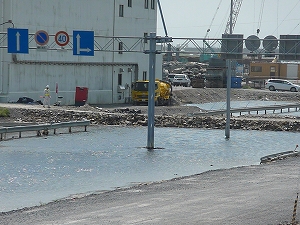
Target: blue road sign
point(83, 43)
point(41, 37)
point(17, 41)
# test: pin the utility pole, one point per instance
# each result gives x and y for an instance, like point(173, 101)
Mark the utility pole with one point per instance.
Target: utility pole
point(228, 71)
point(227, 127)
point(151, 91)
point(151, 86)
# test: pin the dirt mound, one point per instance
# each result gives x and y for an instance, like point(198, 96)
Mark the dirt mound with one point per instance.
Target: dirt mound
point(205, 95)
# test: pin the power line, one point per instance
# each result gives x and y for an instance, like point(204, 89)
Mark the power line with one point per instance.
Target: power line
point(260, 16)
point(286, 16)
point(213, 18)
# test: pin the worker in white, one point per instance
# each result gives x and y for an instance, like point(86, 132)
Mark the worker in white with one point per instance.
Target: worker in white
point(47, 96)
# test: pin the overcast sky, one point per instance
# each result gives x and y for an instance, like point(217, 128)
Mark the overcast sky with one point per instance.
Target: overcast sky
point(192, 18)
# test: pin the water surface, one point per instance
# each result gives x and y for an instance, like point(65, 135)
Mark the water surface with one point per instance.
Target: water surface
point(38, 170)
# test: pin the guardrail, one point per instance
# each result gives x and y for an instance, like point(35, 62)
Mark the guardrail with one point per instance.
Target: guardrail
point(43, 128)
point(277, 156)
point(250, 109)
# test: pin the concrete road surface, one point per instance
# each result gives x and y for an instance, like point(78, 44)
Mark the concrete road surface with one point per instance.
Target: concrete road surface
point(261, 194)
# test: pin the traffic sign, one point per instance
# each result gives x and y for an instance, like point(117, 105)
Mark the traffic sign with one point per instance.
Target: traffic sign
point(252, 43)
point(41, 37)
point(232, 46)
point(270, 43)
point(62, 38)
point(83, 43)
point(18, 41)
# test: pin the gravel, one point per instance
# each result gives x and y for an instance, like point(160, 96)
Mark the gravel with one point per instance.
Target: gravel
point(175, 115)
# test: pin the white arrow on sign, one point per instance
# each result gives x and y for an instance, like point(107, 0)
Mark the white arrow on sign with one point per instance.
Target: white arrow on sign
point(18, 35)
point(78, 46)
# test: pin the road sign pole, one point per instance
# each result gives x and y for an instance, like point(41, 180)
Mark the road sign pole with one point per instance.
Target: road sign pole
point(151, 91)
point(227, 128)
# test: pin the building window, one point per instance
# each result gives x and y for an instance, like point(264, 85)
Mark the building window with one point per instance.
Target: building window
point(145, 37)
point(120, 47)
point(256, 69)
point(273, 69)
point(129, 3)
point(152, 4)
point(146, 4)
point(144, 75)
point(119, 79)
point(121, 11)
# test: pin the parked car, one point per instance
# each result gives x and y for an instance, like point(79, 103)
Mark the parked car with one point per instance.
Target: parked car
point(170, 78)
point(181, 79)
point(279, 84)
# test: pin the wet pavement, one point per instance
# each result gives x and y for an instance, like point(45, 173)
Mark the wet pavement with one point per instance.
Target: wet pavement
point(260, 194)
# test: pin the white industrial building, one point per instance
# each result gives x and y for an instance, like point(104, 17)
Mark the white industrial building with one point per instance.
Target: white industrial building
point(50, 54)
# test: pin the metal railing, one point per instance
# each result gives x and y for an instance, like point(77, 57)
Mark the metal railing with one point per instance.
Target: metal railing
point(43, 128)
point(249, 110)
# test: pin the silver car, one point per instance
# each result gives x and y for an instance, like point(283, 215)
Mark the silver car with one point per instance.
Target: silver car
point(181, 79)
point(279, 84)
point(170, 78)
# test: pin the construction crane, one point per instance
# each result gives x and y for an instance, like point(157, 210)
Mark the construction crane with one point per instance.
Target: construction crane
point(234, 12)
point(205, 57)
point(169, 55)
point(208, 30)
point(162, 18)
point(216, 72)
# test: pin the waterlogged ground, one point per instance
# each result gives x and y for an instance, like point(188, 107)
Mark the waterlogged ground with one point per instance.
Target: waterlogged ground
point(36, 170)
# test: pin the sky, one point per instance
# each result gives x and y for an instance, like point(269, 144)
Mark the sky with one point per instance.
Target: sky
point(192, 18)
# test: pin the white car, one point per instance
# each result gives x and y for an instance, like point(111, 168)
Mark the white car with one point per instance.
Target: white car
point(279, 84)
point(181, 79)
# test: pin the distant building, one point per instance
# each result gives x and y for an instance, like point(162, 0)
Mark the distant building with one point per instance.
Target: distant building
point(267, 70)
point(106, 74)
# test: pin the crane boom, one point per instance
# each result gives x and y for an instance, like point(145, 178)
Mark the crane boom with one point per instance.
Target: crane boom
point(162, 18)
point(235, 9)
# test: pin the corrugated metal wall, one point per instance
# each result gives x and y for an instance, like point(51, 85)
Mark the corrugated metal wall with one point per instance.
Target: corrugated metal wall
point(32, 78)
point(292, 71)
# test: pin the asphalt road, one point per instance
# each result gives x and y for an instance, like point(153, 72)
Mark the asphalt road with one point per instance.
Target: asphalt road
point(261, 194)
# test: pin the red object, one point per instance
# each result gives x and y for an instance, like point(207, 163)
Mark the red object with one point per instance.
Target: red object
point(81, 96)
